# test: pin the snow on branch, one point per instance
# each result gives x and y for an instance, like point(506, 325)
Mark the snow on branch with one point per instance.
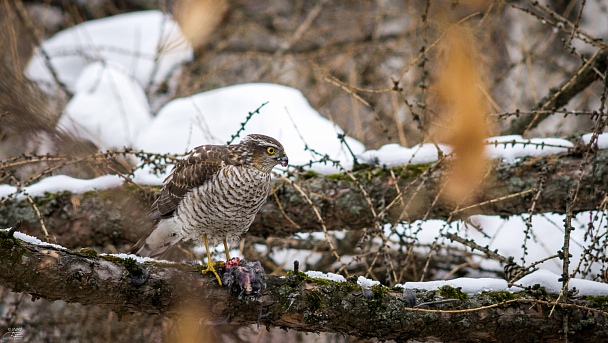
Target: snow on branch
point(296, 301)
point(407, 193)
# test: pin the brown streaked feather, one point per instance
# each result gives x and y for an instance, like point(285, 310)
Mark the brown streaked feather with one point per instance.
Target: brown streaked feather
point(191, 172)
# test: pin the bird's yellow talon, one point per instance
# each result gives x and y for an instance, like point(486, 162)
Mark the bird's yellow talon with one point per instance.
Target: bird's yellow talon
point(211, 268)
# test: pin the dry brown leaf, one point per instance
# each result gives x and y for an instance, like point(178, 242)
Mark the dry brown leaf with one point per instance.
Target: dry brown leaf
point(459, 89)
point(199, 18)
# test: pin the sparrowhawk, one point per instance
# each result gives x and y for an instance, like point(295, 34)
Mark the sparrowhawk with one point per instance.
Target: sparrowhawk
point(212, 195)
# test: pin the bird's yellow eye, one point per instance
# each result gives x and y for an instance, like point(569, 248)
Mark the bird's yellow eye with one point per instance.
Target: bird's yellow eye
point(270, 150)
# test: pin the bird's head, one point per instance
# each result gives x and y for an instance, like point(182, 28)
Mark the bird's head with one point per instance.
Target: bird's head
point(266, 151)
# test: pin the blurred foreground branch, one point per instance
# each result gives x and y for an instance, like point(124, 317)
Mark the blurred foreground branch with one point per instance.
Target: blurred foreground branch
point(296, 301)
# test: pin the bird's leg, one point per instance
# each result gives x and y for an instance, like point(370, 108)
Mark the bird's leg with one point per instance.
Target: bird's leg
point(210, 263)
point(226, 250)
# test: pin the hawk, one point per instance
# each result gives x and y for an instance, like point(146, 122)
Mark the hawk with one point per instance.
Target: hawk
point(212, 195)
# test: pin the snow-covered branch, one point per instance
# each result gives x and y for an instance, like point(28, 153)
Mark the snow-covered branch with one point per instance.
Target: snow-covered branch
point(116, 216)
point(296, 301)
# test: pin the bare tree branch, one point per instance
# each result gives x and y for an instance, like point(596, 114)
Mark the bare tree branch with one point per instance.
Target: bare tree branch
point(116, 216)
point(560, 97)
point(296, 302)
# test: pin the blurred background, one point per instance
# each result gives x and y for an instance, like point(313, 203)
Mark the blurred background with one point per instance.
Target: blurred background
point(381, 70)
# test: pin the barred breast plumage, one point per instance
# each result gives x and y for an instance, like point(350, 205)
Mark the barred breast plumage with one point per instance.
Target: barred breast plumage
point(212, 194)
point(225, 206)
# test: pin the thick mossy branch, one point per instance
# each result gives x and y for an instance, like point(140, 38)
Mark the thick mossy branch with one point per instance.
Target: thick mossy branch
point(116, 216)
point(296, 301)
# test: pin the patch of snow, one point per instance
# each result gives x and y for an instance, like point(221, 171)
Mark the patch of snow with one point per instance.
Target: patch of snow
point(545, 278)
point(366, 283)
point(144, 176)
point(507, 148)
point(548, 280)
point(33, 240)
point(109, 108)
point(466, 285)
point(149, 44)
point(138, 259)
point(506, 235)
point(510, 148)
point(326, 276)
point(212, 117)
point(6, 190)
point(392, 155)
point(59, 183)
point(361, 281)
point(602, 139)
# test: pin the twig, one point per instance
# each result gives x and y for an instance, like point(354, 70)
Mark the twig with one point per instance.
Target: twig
point(573, 194)
point(242, 128)
point(471, 244)
point(528, 221)
point(492, 201)
point(587, 76)
point(319, 218)
point(297, 34)
point(27, 22)
point(276, 198)
point(31, 201)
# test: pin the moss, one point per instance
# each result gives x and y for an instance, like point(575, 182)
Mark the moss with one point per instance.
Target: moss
point(404, 172)
point(129, 263)
point(89, 194)
point(344, 287)
point(121, 261)
point(600, 301)
point(501, 296)
point(380, 291)
point(299, 277)
point(376, 302)
point(113, 259)
point(417, 169)
point(88, 252)
point(314, 299)
point(10, 249)
point(339, 177)
point(450, 292)
point(308, 174)
point(132, 266)
point(50, 198)
point(349, 287)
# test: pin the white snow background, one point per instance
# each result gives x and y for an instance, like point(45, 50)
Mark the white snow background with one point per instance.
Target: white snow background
point(110, 63)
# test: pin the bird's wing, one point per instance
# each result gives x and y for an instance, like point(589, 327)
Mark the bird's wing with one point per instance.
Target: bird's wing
point(190, 172)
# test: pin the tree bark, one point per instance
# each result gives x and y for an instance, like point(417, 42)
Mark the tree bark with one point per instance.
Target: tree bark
point(296, 301)
point(117, 216)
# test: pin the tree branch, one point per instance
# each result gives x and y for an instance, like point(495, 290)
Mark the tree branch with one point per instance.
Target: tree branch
point(296, 301)
point(560, 97)
point(117, 216)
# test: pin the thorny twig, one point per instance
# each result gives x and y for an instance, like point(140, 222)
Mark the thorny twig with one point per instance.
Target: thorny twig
point(541, 182)
point(242, 128)
point(573, 195)
point(319, 218)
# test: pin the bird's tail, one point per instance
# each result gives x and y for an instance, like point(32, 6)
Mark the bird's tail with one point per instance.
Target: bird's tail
point(157, 240)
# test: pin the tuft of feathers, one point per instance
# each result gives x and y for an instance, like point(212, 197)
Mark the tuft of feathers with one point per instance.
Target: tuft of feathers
point(244, 278)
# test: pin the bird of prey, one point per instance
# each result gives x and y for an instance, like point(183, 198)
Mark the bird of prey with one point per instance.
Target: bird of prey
point(212, 195)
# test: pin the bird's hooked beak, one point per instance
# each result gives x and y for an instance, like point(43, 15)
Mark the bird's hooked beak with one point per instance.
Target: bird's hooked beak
point(283, 160)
